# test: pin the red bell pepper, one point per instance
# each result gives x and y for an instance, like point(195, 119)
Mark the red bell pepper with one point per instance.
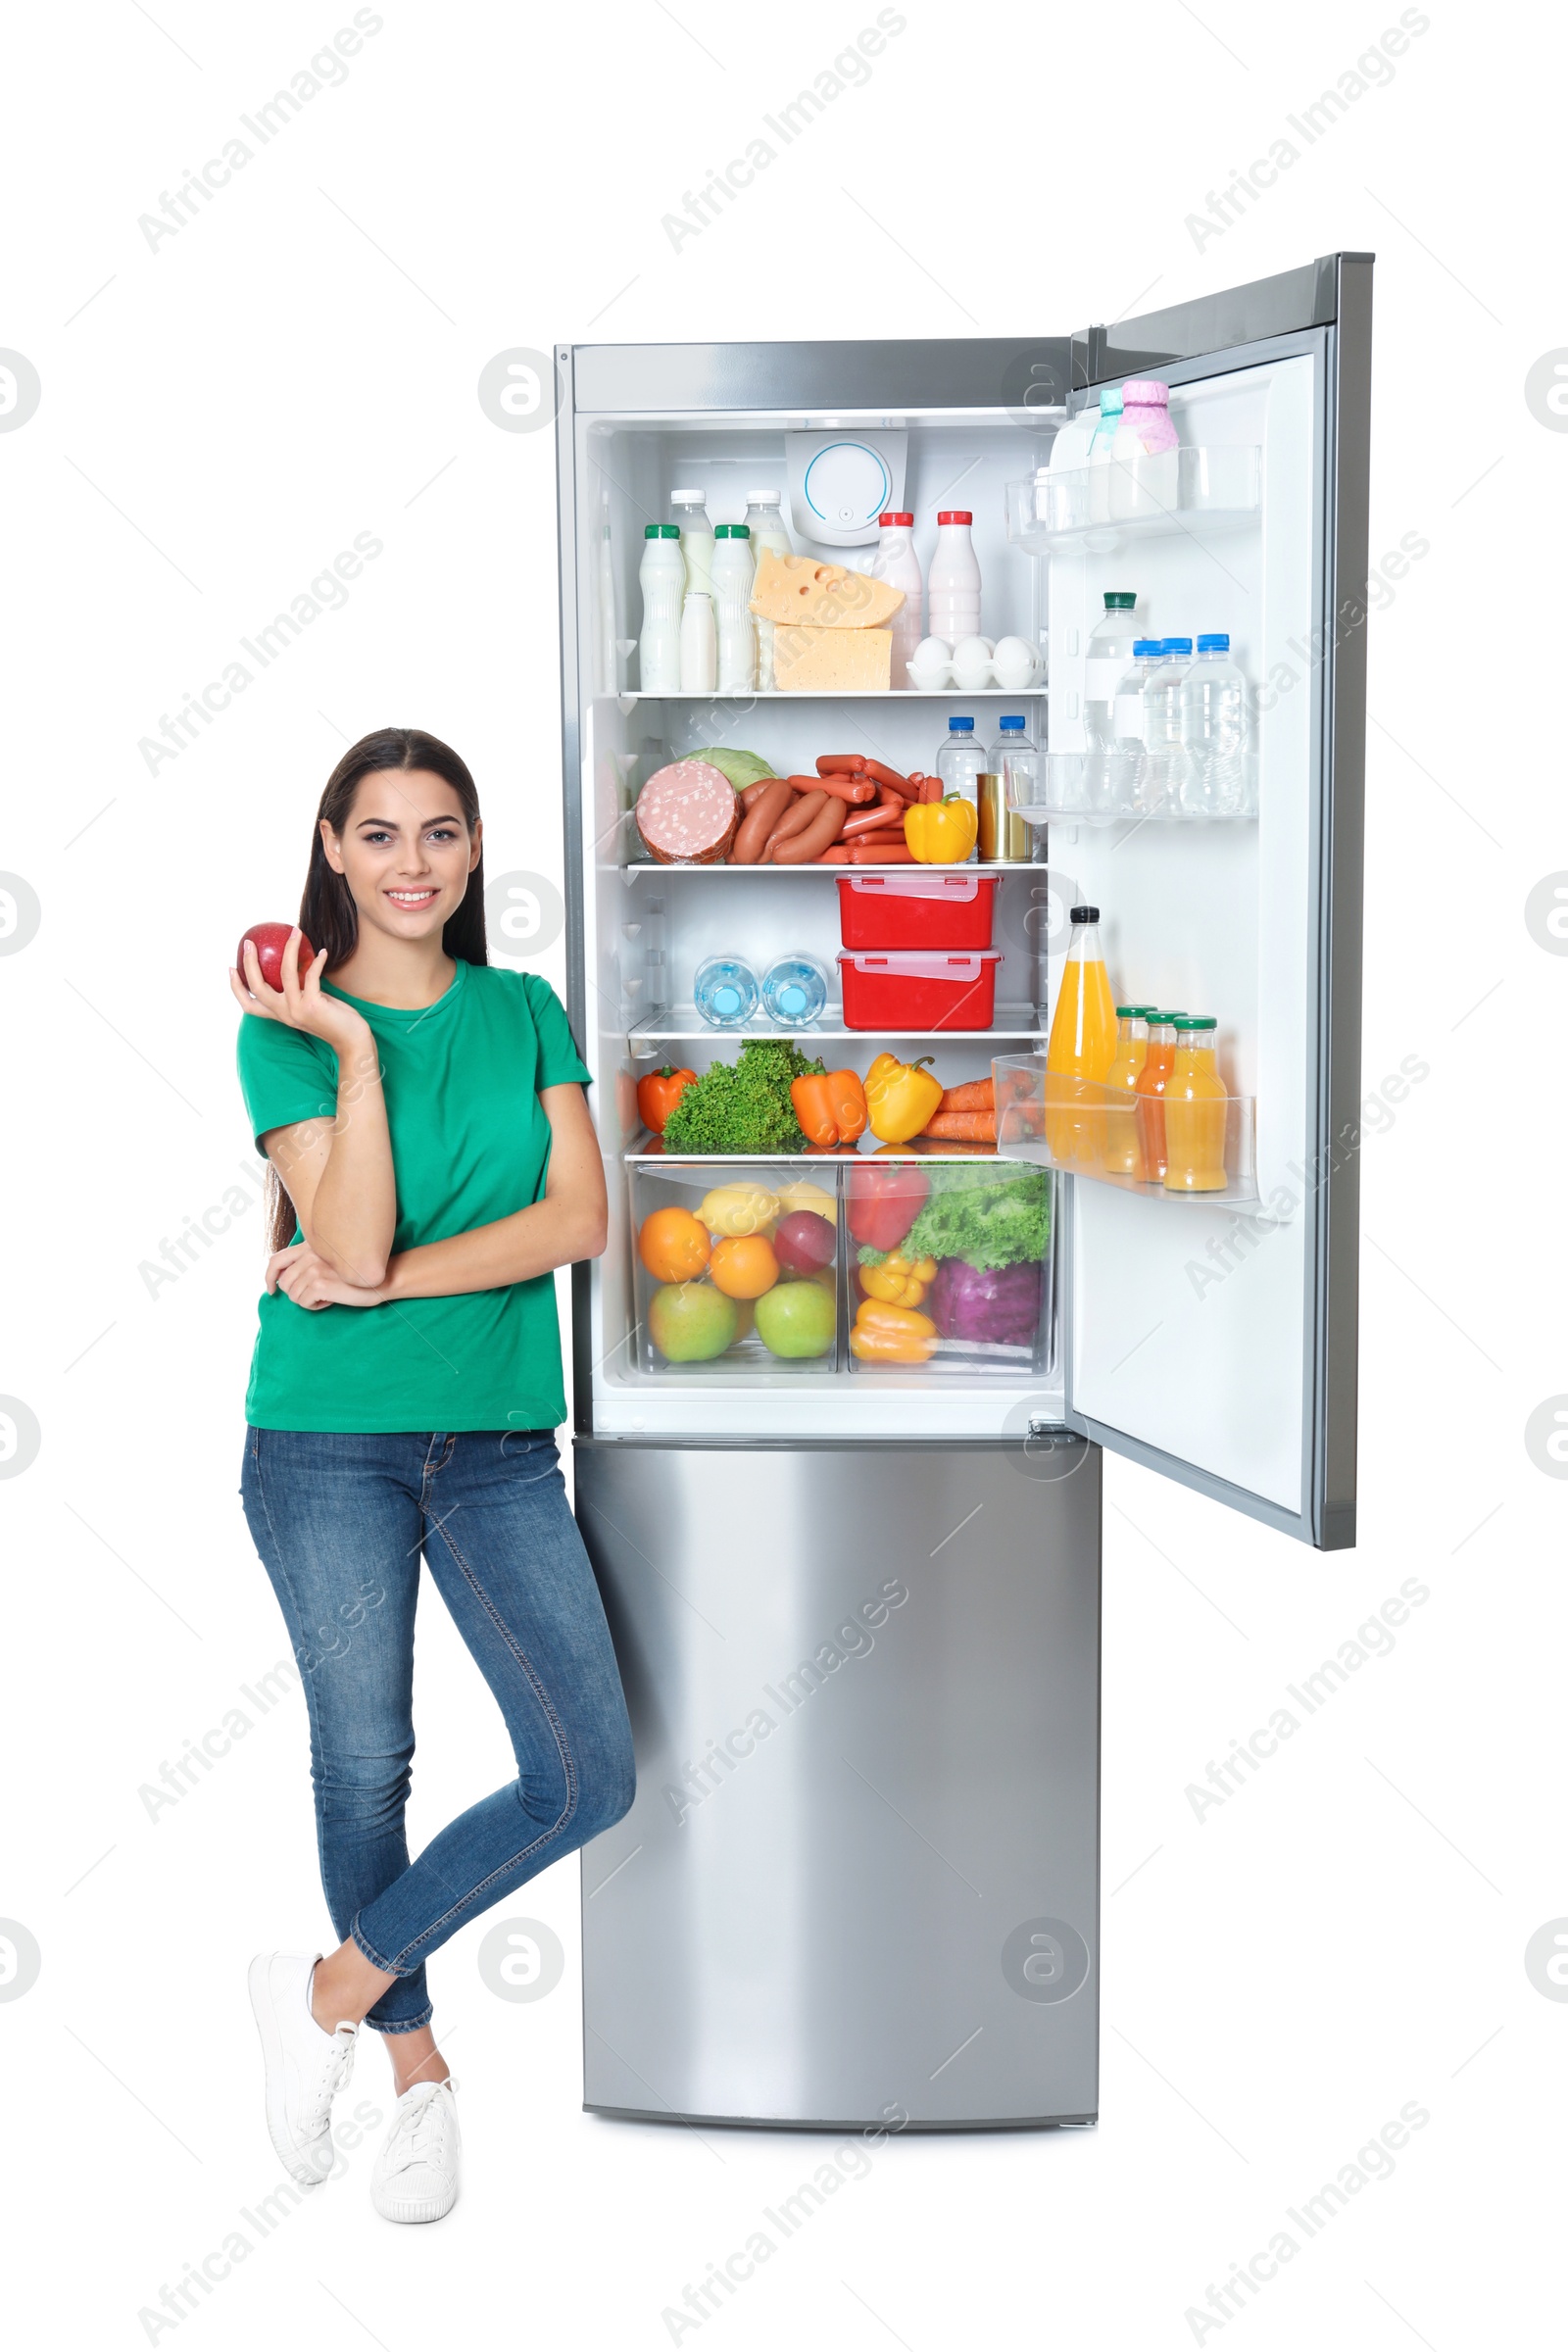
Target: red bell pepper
point(884, 1202)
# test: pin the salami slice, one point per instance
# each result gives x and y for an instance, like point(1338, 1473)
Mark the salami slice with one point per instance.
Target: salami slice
point(687, 814)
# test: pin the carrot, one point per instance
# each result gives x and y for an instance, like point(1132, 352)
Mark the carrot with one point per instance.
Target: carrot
point(979, 1095)
point(961, 1127)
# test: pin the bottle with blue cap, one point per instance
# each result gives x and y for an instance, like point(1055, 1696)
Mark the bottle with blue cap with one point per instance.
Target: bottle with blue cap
point(960, 763)
point(1162, 706)
point(1009, 781)
point(1128, 706)
point(1214, 729)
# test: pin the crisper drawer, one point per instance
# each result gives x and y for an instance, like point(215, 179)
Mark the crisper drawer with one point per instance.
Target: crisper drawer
point(907, 1265)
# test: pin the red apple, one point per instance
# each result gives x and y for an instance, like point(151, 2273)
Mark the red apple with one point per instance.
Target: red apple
point(269, 940)
point(804, 1242)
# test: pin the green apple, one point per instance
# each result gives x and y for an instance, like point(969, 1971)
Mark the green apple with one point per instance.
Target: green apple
point(797, 1318)
point(691, 1321)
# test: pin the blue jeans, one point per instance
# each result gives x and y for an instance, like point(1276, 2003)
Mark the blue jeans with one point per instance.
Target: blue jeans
point(340, 1523)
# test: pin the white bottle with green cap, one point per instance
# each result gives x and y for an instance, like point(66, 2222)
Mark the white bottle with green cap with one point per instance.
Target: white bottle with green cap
point(732, 609)
point(662, 576)
point(689, 511)
point(1110, 653)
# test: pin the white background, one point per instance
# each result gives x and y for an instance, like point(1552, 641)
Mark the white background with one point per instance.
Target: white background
point(219, 416)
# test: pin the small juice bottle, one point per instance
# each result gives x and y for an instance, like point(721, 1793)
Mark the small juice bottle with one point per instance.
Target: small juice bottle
point(1125, 1156)
point(1081, 1049)
point(1149, 1088)
point(1195, 1106)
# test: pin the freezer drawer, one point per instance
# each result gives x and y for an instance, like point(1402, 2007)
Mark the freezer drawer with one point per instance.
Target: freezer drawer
point(859, 1881)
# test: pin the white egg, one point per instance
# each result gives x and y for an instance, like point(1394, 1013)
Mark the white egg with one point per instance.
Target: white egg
point(971, 653)
point(1015, 663)
point(932, 653)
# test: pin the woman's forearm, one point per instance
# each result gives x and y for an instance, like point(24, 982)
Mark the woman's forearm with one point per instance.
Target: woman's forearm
point(535, 1241)
point(353, 1212)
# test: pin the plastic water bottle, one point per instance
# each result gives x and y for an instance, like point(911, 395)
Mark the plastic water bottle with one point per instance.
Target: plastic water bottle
point(1163, 699)
point(960, 763)
point(952, 599)
point(900, 566)
point(1128, 706)
point(662, 576)
point(725, 991)
point(1215, 728)
point(1108, 653)
point(732, 618)
point(1015, 764)
point(795, 990)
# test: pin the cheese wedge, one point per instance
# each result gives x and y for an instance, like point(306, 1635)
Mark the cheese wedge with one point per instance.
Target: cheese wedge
point(794, 589)
point(816, 661)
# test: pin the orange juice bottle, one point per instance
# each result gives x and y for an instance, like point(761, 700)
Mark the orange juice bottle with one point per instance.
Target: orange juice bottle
point(1081, 1049)
point(1125, 1156)
point(1195, 1105)
point(1149, 1088)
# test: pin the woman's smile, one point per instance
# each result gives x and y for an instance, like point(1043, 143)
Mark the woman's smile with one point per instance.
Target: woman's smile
point(412, 897)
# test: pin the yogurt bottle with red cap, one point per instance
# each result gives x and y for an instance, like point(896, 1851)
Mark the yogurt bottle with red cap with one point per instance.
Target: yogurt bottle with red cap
point(954, 587)
point(900, 566)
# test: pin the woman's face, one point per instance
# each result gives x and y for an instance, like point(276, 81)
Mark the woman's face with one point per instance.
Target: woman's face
point(405, 850)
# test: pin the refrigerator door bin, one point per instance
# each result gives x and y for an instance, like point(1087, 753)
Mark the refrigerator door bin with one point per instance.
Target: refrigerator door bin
point(919, 991)
point(1112, 1136)
point(916, 910)
point(1202, 492)
point(1107, 788)
point(714, 1296)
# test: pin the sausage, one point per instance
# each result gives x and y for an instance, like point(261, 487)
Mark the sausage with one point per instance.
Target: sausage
point(891, 777)
point(875, 821)
point(841, 764)
point(795, 820)
point(760, 818)
point(683, 817)
point(853, 789)
point(838, 854)
point(753, 792)
point(876, 852)
point(819, 835)
point(930, 790)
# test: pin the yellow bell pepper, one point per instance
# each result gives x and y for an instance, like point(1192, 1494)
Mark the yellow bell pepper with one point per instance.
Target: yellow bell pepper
point(900, 1097)
point(941, 832)
point(892, 1335)
point(897, 1282)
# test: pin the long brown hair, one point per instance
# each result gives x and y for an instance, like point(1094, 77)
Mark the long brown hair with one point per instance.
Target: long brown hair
point(329, 916)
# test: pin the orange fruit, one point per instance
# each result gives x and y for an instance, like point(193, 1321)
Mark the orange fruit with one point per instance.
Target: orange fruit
point(673, 1244)
point(743, 1266)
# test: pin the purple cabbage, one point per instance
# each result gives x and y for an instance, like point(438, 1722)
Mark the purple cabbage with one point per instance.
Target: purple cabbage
point(968, 1303)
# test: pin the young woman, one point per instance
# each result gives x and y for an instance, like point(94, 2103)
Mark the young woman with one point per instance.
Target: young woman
point(426, 1120)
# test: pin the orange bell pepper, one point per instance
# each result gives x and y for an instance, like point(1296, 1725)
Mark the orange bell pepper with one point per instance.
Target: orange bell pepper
point(892, 1335)
point(659, 1093)
point(831, 1108)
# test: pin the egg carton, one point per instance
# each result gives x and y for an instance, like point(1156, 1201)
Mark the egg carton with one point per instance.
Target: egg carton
point(973, 663)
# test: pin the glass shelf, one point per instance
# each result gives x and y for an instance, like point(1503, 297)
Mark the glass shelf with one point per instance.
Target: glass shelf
point(977, 866)
point(1108, 1136)
point(1107, 788)
point(1200, 493)
point(683, 1021)
point(852, 694)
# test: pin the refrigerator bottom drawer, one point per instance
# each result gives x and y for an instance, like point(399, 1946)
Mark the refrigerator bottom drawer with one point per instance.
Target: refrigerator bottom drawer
point(858, 1885)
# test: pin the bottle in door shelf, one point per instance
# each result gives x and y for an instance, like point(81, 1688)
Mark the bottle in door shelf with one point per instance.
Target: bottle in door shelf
point(662, 576)
point(1149, 1088)
point(1080, 1049)
point(689, 510)
point(1213, 728)
point(1142, 456)
point(734, 627)
point(900, 566)
point(765, 523)
point(1195, 1105)
point(1124, 1155)
point(953, 590)
point(1109, 652)
point(1100, 443)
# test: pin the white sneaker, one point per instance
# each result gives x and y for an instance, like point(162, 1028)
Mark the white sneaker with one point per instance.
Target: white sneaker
point(415, 2178)
point(306, 2066)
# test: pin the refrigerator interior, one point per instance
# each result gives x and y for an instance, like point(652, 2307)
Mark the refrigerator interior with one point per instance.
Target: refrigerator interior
point(1206, 916)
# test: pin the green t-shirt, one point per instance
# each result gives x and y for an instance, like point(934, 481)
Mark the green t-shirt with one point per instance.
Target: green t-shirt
point(470, 1143)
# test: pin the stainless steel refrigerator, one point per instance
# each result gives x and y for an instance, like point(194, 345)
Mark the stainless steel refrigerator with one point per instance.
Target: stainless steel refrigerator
point(857, 1605)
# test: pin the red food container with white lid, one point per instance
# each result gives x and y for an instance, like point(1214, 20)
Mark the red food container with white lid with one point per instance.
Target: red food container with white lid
point(918, 989)
point(932, 909)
